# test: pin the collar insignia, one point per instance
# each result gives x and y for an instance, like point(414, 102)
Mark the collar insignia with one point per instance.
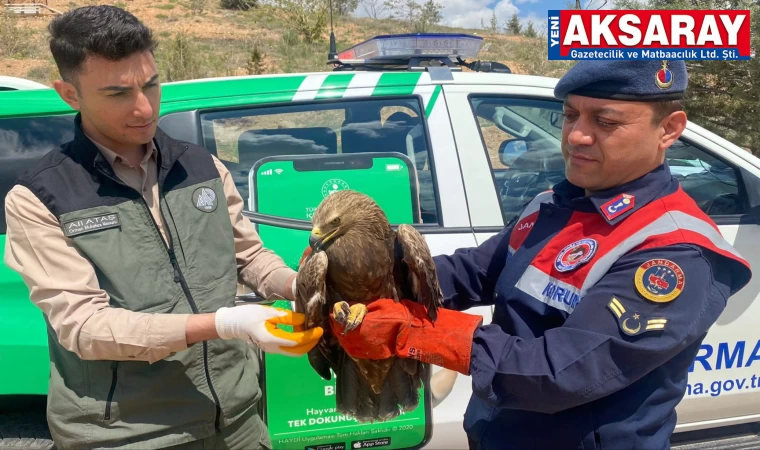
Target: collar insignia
point(618, 206)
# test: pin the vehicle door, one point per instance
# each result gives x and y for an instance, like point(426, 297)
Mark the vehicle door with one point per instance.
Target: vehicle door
point(355, 113)
point(508, 139)
point(24, 359)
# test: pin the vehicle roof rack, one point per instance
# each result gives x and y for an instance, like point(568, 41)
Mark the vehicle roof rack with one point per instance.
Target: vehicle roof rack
point(414, 52)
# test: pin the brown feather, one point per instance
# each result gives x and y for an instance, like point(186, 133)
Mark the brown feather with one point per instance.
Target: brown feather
point(422, 275)
point(365, 260)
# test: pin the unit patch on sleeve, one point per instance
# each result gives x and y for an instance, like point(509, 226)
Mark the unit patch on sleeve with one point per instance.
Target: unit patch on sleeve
point(631, 323)
point(659, 280)
point(575, 254)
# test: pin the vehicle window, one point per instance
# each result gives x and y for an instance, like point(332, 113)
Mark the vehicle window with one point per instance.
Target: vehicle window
point(712, 183)
point(242, 137)
point(23, 141)
point(523, 136)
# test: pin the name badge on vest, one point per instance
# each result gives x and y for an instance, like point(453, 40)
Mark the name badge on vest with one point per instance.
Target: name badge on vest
point(80, 226)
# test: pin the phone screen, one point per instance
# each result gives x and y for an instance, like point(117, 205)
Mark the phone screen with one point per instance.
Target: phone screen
point(300, 405)
point(293, 188)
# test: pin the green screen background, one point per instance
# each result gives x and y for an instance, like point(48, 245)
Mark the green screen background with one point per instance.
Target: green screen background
point(300, 405)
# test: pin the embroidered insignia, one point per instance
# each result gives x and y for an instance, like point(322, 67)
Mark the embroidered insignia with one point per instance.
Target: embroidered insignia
point(204, 199)
point(618, 206)
point(76, 227)
point(664, 77)
point(575, 254)
point(659, 280)
point(631, 323)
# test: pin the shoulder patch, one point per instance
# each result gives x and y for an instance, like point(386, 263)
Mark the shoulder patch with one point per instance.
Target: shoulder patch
point(659, 280)
point(204, 199)
point(631, 323)
point(618, 206)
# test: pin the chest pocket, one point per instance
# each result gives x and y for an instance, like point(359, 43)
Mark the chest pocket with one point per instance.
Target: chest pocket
point(127, 254)
point(201, 218)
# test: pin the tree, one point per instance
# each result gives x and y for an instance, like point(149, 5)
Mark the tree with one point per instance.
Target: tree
point(376, 9)
point(514, 26)
point(404, 10)
point(308, 17)
point(722, 96)
point(430, 14)
point(493, 24)
point(419, 18)
point(255, 63)
point(344, 7)
point(530, 31)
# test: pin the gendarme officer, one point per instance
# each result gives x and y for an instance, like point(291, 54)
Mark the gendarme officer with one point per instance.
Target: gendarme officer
point(603, 288)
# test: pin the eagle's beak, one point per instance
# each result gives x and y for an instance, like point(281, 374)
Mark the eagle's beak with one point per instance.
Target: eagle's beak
point(314, 238)
point(317, 239)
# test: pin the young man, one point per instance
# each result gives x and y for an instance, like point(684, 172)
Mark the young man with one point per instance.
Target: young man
point(132, 244)
point(590, 351)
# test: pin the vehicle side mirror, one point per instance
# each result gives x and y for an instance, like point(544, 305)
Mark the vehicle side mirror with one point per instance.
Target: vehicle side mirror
point(752, 188)
point(511, 150)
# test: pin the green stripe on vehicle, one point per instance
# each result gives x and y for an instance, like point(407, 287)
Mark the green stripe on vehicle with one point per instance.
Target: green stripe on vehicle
point(196, 89)
point(433, 98)
point(334, 86)
point(44, 102)
point(401, 83)
point(225, 102)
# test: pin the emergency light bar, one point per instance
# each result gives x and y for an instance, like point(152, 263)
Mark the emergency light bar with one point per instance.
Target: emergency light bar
point(406, 46)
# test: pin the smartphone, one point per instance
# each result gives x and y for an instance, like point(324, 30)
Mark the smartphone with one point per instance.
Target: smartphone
point(298, 405)
point(292, 187)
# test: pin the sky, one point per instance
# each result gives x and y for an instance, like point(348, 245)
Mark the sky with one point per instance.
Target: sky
point(469, 13)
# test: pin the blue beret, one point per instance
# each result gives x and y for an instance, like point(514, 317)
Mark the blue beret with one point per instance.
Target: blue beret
point(638, 80)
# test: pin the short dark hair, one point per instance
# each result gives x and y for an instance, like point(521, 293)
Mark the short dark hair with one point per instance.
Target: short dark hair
point(664, 109)
point(106, 31)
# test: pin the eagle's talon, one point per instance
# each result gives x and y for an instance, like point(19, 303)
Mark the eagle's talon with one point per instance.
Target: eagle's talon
point(355, 317)
point(341, 312)
point(350, 317)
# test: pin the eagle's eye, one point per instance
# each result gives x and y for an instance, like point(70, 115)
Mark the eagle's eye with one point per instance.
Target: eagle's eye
point(335, 222)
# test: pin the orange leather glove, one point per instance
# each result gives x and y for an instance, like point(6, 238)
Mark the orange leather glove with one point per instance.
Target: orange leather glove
point(403, 329)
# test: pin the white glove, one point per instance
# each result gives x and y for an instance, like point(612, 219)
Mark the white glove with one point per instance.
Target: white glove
point(257, 325)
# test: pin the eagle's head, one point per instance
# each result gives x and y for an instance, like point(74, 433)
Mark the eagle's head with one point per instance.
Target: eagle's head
point(344, 212)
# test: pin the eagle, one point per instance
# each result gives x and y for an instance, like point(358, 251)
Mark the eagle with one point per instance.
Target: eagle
point(355, 257)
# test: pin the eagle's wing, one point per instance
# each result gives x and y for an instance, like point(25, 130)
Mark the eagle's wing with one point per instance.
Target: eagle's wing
point(311, 300)
point(418, 268)
point(311, 293)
